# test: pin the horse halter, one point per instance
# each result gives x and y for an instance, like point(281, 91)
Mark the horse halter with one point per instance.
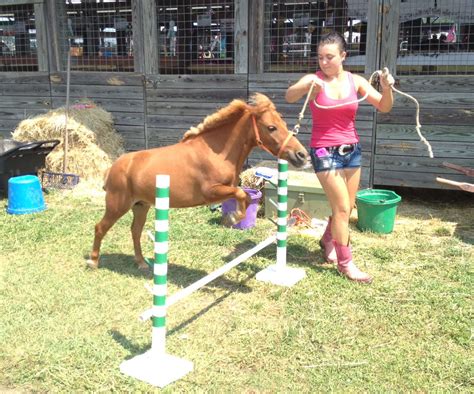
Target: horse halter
point(260, 143)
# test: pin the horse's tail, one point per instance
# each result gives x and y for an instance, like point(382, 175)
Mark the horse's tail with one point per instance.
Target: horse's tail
point(106, 175)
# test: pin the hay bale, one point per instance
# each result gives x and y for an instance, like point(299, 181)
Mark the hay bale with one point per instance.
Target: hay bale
point(93, 143)
point(248, 179)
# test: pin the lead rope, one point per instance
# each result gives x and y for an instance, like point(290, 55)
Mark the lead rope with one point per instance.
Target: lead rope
point(418, 125)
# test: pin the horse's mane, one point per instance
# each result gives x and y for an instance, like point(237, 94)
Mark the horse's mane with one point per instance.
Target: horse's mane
point(258, 103)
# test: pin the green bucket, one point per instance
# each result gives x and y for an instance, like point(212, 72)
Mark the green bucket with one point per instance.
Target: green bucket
point(376, 210)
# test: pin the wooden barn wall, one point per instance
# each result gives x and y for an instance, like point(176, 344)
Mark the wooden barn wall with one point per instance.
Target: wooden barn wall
point(174, 103)
point(22, 96)
point(446, 116)
point(152, 110)
point(121, 94)
point(275, 85)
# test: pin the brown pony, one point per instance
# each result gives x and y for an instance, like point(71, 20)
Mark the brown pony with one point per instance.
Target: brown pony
point(204, 167)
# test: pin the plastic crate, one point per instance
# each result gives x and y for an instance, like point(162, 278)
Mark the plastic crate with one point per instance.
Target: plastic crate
point(22, 158)
point(304, 192)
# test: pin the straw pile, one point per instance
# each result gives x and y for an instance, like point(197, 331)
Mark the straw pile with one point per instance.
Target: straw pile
point(93, 143)
point(248, 179)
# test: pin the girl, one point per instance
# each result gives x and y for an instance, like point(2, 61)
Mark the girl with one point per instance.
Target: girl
point(335, 149)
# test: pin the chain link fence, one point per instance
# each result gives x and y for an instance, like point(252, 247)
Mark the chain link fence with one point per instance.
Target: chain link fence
point(18, 49)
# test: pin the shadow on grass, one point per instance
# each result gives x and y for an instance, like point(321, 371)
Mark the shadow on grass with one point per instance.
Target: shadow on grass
point(179, 275)
point(297, 255)
point(123, 341)
point(122, 264)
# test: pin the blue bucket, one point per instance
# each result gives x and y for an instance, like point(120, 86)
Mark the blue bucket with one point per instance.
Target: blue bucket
point(25, 195)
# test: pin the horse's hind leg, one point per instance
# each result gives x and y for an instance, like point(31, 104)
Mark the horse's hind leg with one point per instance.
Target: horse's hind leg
point(140, 211)
point(115, 209)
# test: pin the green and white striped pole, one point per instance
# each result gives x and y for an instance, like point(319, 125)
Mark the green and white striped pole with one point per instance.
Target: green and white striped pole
point(160, 266)
point(282, 212)
point(279, 273)
point(156, 367)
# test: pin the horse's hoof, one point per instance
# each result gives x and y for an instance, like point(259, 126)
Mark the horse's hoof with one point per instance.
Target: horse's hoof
point(228, 220)
point(143, 267)
point(92, 264)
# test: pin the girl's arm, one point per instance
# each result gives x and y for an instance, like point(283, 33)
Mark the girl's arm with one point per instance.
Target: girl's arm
point(301, 88)
point(383, 102)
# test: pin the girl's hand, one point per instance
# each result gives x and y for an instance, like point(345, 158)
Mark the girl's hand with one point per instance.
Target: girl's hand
point(316, 81)
point(386, 79)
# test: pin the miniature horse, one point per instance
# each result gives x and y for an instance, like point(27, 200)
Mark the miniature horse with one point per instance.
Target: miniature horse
point(204, 167)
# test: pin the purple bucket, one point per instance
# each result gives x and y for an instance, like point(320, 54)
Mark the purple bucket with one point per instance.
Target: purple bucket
point(250, 215)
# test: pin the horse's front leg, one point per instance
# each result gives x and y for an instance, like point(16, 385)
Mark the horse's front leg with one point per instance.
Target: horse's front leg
point(222, 193)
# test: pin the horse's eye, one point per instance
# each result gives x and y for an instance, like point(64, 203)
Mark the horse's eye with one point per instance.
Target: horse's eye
point(271, 128)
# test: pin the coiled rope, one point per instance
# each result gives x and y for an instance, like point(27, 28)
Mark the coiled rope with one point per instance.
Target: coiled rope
point(296, 129)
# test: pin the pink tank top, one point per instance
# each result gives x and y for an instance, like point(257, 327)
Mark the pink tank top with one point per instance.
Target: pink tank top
point(335, 126)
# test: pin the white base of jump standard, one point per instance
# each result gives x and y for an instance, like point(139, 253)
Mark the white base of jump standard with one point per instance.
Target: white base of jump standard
point(157, 370)
point(281, 275)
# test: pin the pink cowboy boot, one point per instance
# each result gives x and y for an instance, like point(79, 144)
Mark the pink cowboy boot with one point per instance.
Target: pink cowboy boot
point(346, 266)
point(327, 246)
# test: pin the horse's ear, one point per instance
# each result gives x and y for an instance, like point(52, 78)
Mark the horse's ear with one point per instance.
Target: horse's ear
point(258, 99)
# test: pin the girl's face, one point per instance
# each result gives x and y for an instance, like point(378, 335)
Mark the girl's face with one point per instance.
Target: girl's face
point(330, 59)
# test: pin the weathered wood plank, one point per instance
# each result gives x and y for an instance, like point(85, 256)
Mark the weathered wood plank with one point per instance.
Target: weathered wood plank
point(129, 118)
point(98, 78)
point(433, 116)
point(150, 36)
point(56, 44)
point(110, 105)
point(172, 122)
point(25, 102)
point(430, 132)
point(415, 148)
point(438, 83)
point(279, 79)
point(29, 78)
point(390, 25)
point(416, 164)
point(256, 34)
point(196, 81)
point(19, 2)
point(41, 37)
point(9, 121)
point(196, 95)
point(134, 136)
point(374, 19)
point(171, 108)
point(25, 90)
point(436, 100)
point(5, 134)
point(241, 40)
point(413, 179)
point(163, 137)
point(94, 91)
point(138, 34)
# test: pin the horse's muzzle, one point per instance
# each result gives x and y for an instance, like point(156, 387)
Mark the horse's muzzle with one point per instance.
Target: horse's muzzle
point(298, 158)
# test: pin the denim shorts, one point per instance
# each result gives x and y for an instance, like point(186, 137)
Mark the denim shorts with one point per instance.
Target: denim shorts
point(327, 159)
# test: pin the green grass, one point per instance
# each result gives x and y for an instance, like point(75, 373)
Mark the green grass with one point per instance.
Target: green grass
point(66, 328)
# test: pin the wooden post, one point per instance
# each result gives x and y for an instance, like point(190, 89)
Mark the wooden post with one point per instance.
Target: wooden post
point(241, 37)
point(137, 28)
point(389, 31)
point(41, 37)
point(372, 53)
point(256, 37)
point(54, 16)
point(150, 37)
